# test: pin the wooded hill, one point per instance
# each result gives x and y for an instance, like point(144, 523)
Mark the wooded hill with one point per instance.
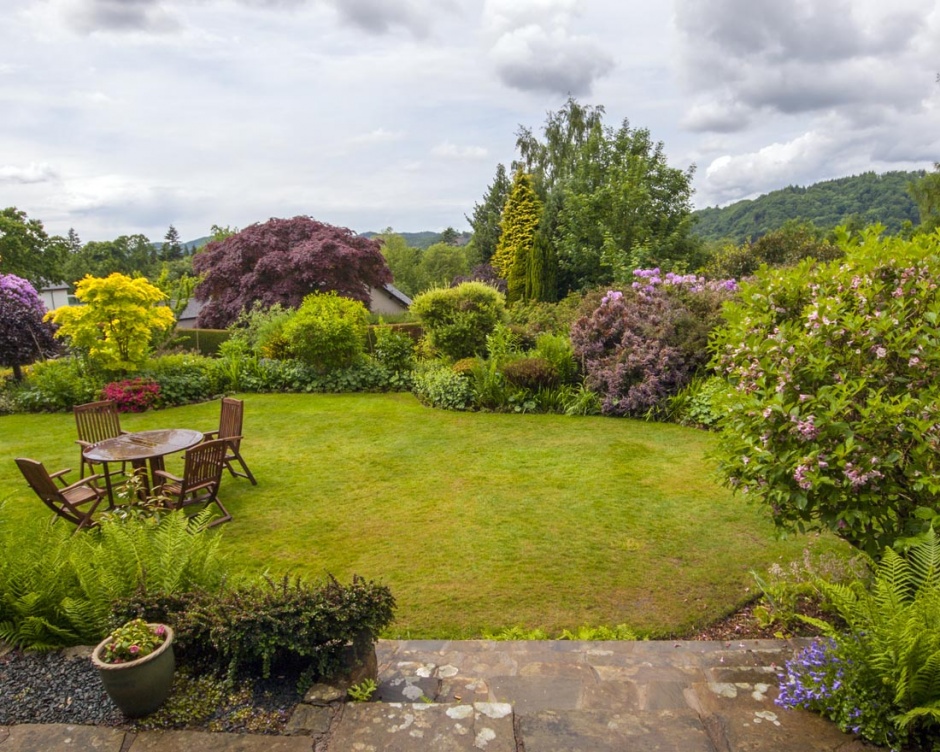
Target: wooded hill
point(866, 199)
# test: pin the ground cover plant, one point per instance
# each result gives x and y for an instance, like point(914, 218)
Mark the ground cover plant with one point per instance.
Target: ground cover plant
point(475, 521)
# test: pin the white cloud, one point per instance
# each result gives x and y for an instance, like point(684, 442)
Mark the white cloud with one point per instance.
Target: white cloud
point(533, 48)
point(378, 136)
point(35, 172)
point(447, 150)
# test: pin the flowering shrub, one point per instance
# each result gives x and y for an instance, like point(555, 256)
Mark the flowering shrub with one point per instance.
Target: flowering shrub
point(132, 395)
point(133, 641)
point(642, 345)
point(23, 335)
point(834, 417)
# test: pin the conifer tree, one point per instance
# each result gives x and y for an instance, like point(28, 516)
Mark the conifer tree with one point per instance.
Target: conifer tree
point(518, 227)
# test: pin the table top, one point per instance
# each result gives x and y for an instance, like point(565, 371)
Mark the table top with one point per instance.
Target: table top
point(143, 445)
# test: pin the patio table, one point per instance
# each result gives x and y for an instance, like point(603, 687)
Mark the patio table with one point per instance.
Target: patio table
point(140, 449)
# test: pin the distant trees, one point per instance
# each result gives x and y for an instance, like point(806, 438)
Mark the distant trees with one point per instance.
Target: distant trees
point(24, 337)
point(127, 254)
point(27, 251)
point(283, 261)
point(172, 249)
point(861, 200)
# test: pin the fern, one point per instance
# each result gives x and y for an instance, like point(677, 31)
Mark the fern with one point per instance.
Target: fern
point(893, 638)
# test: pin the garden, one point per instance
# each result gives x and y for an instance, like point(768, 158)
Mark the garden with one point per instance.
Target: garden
point(467, 464)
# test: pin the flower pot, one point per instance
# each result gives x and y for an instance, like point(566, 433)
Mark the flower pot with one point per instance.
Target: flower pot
point(138, 687)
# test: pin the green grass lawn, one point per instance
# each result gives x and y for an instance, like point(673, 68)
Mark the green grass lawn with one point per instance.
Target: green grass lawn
point(475, 521)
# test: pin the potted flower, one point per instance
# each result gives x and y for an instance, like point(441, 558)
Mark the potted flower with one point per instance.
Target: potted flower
point(136, 665)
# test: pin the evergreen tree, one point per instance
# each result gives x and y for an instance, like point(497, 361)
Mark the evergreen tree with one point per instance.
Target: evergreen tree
point(518, 227)
point(171, 249)
point(485, 222)
point(542, 271)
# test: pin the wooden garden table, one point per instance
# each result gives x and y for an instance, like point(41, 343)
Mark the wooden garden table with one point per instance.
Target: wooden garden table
point(140, 449)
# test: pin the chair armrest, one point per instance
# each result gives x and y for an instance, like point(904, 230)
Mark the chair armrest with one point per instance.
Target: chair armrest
point(83, 444)
point(60, 472)
point(84, 481)
point(209, 435)
point(168, 476)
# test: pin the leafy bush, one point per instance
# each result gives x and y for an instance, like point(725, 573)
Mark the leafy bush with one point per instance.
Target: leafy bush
point(295, 376)
point(530, 374)
point(204, 341)
point(457, 320)
point(57, 386)
point(538, 317)
point(557, 350)
point(261, 330)
point(184, 378)
point(24, 337)
point(327, 331)
point(880, 679)
point(833, 418)
point(132, 395)
point(254, 626)
point(699, 403)
point(436, 385)
point(642, 345)
point(393, 348)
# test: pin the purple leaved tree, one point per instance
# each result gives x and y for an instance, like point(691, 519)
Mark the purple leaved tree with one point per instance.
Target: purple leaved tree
point(24, 337)
point(281, 261)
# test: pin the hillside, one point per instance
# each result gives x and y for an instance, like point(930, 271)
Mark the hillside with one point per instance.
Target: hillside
point(868, 197)
point(424, 239)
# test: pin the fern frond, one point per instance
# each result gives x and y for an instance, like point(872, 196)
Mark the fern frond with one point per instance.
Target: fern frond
point(930, 712)
point(925, 562)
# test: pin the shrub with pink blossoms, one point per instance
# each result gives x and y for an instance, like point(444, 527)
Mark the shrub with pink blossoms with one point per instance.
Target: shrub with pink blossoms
point(641, 345)
point(834, 418)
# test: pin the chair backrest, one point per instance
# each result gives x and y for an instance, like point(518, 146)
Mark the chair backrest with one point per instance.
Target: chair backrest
point(97, 421)
point(39, 480)
point(230, 421)
point(204, 464)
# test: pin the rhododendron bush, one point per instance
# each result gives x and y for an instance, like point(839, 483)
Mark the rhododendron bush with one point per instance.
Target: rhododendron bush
point(834, 419)
point(641, 345)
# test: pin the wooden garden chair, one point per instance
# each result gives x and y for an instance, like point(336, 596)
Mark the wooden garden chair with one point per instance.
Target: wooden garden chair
point(202, 476)
point(230, 428)
point(97, 421)
point(76, 503)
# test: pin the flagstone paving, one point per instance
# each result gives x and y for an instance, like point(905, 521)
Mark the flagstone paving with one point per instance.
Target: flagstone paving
point(545, 696)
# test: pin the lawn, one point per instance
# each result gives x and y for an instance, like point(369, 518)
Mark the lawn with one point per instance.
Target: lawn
point(476, 521)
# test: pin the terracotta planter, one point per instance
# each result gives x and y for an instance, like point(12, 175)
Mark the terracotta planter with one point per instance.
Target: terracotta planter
point(138, 687)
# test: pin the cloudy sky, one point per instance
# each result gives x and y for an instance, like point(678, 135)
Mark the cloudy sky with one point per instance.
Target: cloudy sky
point(124, 116)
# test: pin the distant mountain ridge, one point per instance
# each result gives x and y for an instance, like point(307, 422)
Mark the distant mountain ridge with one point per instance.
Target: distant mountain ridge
point(424, 239)
point(867, 198)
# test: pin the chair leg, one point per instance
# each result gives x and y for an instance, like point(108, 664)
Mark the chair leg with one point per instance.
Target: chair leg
point(226, 515)
point(246, 474)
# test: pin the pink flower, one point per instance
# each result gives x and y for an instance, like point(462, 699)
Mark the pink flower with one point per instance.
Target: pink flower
point(133, 649)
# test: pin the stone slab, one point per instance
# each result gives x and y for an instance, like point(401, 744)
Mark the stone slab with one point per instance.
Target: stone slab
point(592, 731)
point(397, 727)
point(309, 720)
point(56, 737)
point(530, 694)
point(194, 741)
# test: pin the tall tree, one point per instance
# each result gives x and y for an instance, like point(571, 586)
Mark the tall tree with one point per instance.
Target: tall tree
point(926, 194)
point(282, 261)
point(518, 227)
point(127, 254)
point(24, 337)
point(26, 249)
point(450, 236)
point(485, 221)
point(172, 249)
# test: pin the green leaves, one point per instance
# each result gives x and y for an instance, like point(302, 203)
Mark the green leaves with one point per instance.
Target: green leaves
point(833, 413)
